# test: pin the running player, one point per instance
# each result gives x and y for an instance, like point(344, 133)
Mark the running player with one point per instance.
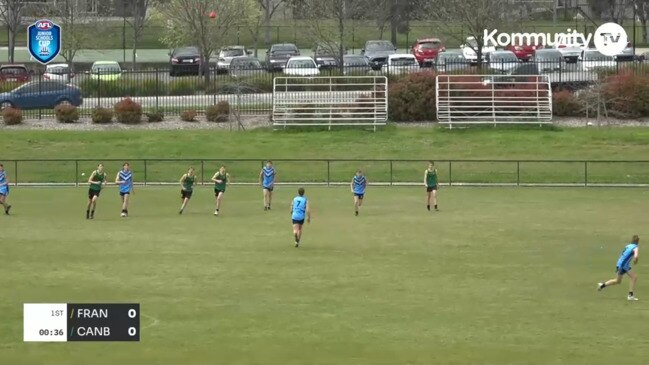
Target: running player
point(4, 189)
point(220, 179)
point(358, 185)
point(124, 179)
point(299, 211)
point(629, 253)
point(96, 180)
point(267, 182)
point(430, 180)
point(186, 188)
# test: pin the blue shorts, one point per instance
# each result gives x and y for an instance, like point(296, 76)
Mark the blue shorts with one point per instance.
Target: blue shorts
point(4, 191)
point(622, 270)
point(269, 188)
point(300, 222)
point(359, 196)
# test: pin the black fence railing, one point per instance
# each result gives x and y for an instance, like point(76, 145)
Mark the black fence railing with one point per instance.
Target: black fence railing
point(75, 172)
point(249, 90)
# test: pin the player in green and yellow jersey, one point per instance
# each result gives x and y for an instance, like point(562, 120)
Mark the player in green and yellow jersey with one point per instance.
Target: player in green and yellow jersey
point(96, 180)
point(187, 188)
point(221, 179)
point(430, 180)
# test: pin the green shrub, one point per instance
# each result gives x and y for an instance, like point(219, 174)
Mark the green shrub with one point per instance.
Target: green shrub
point(565, 104)
point(218, 113)
point(66, 113)
point(12, 116)
point(188, 116)
point(120, 88)
point(128, 111)
point(412, 98)
point(155, 116)
point(102, 115)
point(185, 86)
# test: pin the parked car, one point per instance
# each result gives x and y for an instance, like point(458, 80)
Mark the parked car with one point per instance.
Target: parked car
point(570, 49)
point(548, 60)
point(450, 61)
point(227, 54)
point(184, 61)
point(502, 61)
point(401, 64)
point(523, 52)
point(301, 66)
point(469, 46)
point(41, 95)
point(105, 71)
point(14, 73)
point(278, 55)
point(426, 50)
point(355, 65)
point(245, 66)
point(58, 72)
point(592, 59)
point(377, 53)
point(326, 55)
point(627, 54)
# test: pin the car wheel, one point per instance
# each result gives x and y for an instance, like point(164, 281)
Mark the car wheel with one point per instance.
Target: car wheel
point(6, 104)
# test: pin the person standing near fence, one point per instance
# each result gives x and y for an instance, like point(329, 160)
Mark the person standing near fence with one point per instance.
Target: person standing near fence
point(300, 210)
point(125, 181)
point(430, 180)
point(4, 189)
point(267, 182)
point(358, 185)
point(220, 179)
point(186, 188)
point(96, 180)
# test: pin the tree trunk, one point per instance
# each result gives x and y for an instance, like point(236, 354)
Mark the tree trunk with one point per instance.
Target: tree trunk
point(12, 45)
point(136, 39)
point(394, 22)
point(341, 39)
point(267, 29)
point(555, 9)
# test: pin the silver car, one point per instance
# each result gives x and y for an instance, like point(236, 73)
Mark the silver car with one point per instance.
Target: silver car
point(227, 54)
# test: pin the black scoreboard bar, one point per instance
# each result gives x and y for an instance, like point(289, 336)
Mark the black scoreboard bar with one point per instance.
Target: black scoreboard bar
point(103, 322)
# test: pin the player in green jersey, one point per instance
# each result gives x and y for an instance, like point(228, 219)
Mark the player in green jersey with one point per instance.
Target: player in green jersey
point(187, 188)
point(221, 179)
point(96, 180)
point(430, 180)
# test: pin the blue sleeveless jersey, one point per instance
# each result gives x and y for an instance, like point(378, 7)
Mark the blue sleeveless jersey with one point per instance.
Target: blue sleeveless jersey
point(626, 256)
point(359, 184)
point(299, 208)
point(126, 176)
point(4, 189)
point(268, 177)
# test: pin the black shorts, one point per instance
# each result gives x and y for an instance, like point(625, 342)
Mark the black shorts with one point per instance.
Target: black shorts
point(218, 192)
point(186, 194)
point(300, 222)
point(122, 193)
point(359, 196)
point(268, 188)
point(93, 193)
point(431, 188)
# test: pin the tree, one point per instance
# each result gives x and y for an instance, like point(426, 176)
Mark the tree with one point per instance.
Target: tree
point(189, 22)
point(72, 17)
point(269, 7)
point(138, 20)
point(253, 23)
point(11, 12)
point(641, 9)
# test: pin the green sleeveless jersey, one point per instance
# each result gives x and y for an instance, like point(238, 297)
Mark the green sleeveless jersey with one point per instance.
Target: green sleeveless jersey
point(224, 181)
point(431, 177)
point(98, 177)
point(188, 183)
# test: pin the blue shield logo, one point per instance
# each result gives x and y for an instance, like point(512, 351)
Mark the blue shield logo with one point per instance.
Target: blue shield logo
point(44, 40)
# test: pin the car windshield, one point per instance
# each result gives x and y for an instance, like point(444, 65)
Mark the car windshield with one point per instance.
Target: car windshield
point(187, 51)
point(13, 71)
point(451, 57)
point(247, 64)
point(327, 49)
point(355, 61)
point(106, 69)
point(379, 46)
point(505, 57)
point(549, 56)
point(430, 45)
point(596, 56)
point(232, 52)
point(284, 48)
point(301, 64)
point(58, 70)
point(405, 61)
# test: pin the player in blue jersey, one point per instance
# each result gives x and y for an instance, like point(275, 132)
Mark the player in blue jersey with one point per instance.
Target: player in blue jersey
point(267, 182)
point(125, 181)
point(629, 253)
point(4, 189)
point(300, 210)
point(358, 185)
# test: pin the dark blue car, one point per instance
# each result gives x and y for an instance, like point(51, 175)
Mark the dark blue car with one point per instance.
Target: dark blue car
point(41, 95)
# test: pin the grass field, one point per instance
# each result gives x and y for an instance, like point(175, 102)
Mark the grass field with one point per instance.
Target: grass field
point(498, 276)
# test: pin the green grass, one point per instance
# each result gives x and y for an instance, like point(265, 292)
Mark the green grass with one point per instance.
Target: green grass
point(397, 143)
point(499, 276)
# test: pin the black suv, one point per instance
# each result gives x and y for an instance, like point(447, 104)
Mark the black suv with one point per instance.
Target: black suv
point(184, 61)
point(327, 55)
point(377, 53)
point(278, 54)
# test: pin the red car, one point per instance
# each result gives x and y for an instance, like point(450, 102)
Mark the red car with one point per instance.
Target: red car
point(14, 73)
point(426, 50)
point(524, 52)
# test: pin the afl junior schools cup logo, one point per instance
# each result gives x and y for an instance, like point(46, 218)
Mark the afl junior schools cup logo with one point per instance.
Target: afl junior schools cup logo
point(44, 40)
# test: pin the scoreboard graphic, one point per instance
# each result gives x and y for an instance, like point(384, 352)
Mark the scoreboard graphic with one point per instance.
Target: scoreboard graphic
point(63, 322)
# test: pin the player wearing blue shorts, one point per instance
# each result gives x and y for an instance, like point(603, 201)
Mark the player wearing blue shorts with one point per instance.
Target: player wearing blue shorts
point(629, 253)
point(300, 211)
point(125, 181)
point(4, 189)
point(358, 185)
point(267, 182)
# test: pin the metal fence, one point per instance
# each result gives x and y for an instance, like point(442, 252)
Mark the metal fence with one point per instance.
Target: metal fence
point(327, 172)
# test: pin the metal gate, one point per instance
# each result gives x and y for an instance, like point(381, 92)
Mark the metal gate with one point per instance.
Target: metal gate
point(493, 99)
point(330, 101)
